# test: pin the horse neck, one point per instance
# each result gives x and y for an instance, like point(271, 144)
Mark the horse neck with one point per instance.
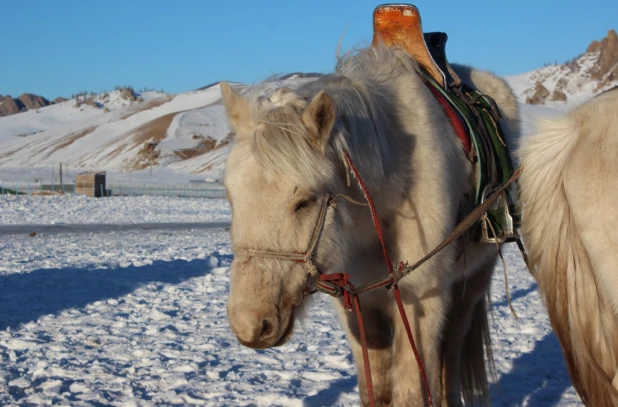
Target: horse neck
point(367, 130)
point(425, 174)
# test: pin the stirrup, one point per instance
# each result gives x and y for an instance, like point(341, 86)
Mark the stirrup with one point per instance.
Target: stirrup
point(497, 223)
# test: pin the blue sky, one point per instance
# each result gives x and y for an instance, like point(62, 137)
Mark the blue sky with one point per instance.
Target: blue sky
point(59, 47)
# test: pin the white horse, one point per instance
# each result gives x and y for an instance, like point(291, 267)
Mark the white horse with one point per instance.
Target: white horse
point(288, 155)
point(569, 184)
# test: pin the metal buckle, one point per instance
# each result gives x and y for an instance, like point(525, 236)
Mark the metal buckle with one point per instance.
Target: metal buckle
point(502, 229)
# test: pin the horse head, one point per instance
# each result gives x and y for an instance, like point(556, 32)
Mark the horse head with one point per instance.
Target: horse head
point(280, 180)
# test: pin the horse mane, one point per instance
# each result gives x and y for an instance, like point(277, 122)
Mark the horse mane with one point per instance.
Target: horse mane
point(363, 87)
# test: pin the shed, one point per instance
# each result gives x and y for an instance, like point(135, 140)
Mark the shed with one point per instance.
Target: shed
point(90, 183)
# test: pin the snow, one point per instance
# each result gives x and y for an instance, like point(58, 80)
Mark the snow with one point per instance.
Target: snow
point(110, 135)
point(575, 78)
point(137, 318)
point(213, 162)
point(59, 115)
point(105, 140)
point(63, 114)
point(206, 122)
point(79, 209)
point(98, 309)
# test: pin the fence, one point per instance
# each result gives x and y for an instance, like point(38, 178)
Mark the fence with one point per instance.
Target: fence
point(193, 190)
point(213, 191)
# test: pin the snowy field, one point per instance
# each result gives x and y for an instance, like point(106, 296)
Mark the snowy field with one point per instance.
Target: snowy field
point(137, 318)
point(44, 210)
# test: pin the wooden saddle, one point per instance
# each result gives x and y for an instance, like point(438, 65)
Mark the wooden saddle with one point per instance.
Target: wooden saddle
point(400, 24)
point(472, 113)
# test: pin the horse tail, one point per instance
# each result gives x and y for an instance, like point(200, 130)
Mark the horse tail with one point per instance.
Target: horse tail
point(578, 309)
point(477, 351)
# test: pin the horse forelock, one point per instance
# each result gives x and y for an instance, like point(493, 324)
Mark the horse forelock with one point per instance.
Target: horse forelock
point(363, 91)
point(278, 98)
point(280, 141)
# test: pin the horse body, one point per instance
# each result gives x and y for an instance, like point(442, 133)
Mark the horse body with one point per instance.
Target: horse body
point(571, 230)
point(288, 154)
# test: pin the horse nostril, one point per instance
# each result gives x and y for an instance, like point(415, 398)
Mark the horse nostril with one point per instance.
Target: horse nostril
point(267, 328)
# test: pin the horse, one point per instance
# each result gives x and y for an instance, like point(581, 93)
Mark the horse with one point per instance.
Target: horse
point(289, 157)
point(570, 227)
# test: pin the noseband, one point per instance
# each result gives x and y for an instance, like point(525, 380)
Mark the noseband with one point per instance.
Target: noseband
point(308, 256)
point(339, 285)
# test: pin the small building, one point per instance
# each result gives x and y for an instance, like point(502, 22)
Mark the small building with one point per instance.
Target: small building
point(90, 183)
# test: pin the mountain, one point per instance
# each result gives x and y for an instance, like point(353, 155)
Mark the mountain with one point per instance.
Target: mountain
point(125, 131)
point(575, 80)
point(27, 101)
point(187, 133)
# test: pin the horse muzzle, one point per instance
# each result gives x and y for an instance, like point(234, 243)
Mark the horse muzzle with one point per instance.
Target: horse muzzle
point(260, 331)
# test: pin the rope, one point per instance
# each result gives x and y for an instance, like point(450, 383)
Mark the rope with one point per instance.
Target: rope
point(506, 279)
point(459, 230)
point(338, 284)
point(351, 200)
point(522, 250)
point(389, 267)
point(299, 257)
point(319, 225)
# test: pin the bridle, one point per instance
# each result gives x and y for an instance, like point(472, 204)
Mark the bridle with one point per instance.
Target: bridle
point(339, 285)
point(306, 257)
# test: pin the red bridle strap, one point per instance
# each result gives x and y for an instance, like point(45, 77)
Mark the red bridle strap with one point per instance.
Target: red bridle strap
point(337, 285)
point(341, 286)
point(389, 265)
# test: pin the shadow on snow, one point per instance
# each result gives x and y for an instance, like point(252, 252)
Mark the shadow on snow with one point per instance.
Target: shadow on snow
point(28, 296)
point(330, 395)
point(523, 292)
point(539, 377)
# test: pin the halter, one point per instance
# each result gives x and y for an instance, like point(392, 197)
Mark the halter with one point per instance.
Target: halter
point(306, 257)
point(339, 285)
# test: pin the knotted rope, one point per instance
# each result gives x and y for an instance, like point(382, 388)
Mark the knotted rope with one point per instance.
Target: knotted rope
point(339, 285)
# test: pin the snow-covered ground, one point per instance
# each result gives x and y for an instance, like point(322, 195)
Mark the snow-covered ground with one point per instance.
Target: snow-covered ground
point(138, 318)
point(43, 210)
point(65, 113)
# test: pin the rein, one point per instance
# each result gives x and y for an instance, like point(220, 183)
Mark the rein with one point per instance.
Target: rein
point(342, 280)
point(339, 285)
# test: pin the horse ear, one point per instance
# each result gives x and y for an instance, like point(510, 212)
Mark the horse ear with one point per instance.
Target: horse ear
point(236, 107)
point(319, 118)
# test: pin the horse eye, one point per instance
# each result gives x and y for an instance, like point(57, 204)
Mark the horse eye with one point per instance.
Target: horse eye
point(303, 204)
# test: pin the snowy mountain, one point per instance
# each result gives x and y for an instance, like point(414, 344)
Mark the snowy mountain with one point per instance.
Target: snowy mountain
point(187, 133)
point(27, 101)
point(582, 77)
point(123, 131)
point(118, 130)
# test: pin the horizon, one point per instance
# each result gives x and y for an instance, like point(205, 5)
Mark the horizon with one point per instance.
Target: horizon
point(170, 46)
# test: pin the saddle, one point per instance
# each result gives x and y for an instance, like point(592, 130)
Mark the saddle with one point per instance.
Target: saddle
point(471, 112)
point(400, 25)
